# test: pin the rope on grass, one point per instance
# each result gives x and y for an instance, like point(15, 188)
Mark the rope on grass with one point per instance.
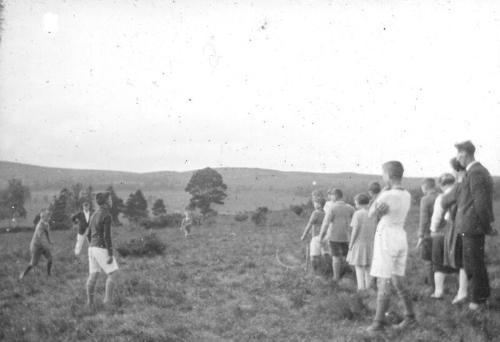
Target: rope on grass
point(281, 263)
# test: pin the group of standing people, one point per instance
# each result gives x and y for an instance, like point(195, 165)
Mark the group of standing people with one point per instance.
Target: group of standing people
point(454, 221)
point(94, 229)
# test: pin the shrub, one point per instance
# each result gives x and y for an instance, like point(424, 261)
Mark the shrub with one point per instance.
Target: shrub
point(241, 217)
point(162, 221)
point(297, 209)
point(259, 217)
point(148, 245)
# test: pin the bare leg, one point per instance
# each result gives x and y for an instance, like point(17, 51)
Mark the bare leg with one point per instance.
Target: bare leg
point(23, 274)
point(383, 290)
point(368, 278)
point(360, 277)
point(91, 282)
point(438, 285)
point(403, 294)
point(462, 287)
point(336, 267)
point(49, 266)
point(110, 284)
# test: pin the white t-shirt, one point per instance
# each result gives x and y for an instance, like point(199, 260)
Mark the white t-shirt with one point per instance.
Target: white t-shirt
point(399, 202)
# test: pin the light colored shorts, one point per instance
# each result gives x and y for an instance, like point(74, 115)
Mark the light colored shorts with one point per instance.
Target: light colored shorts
point(390, 251)
point(317, 247)
point(98, 258)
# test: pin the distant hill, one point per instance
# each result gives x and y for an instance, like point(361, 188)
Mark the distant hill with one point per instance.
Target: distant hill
point(238, 179)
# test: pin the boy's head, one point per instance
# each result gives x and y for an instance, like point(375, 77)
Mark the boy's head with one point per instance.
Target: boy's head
point(374, 189)
point(335, 194)
point(428, 184)
point(392, 171)
point(319, 203)
point(361, 200)
point(446, 180)
point(44, 215)
point(86, 206)
point(102, 198)
point(465, 152)
point(316, 195)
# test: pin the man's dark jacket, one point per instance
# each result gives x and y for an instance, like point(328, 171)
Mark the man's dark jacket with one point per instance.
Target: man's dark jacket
point(474, 199)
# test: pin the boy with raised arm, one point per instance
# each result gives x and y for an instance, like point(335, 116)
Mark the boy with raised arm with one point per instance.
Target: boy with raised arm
point(37, 246)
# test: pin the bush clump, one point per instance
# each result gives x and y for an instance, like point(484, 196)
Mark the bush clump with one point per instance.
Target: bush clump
point(259, 217)
point(241, 217)
point(297, 209)
point(162, 221)
point(148, 245)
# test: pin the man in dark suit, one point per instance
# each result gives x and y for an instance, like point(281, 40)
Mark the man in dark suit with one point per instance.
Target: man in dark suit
point(82, 218)
point(474, 220)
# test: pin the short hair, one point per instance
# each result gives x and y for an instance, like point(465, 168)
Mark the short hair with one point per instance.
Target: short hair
point(446, 179)
point(101, 197)
point(317, 195)
point(336, 192)
point(466, 146)
point(321, 201)
point(429, 183)
point(455, 165)
point(375, 187)
point(362, 199)
point(394, 169)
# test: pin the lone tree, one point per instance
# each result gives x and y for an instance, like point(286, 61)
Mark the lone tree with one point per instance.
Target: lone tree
point(12, 200)
point(136, 207)
point(206, 187)
point(159, 208)
point(117, 206)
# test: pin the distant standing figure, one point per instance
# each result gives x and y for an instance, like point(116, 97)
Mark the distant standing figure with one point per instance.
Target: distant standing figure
point(101, 257)
point(390, 248)
point(82, 218)
point(37, 247)
point(187, 222)
point(335, 230)
point(316, 249)
point(424, 234)
point(361, 244)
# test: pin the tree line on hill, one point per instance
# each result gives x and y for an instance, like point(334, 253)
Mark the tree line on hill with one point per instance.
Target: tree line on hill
point(206, 187)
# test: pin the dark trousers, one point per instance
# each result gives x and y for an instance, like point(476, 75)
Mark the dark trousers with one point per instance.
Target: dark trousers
point(473, 261)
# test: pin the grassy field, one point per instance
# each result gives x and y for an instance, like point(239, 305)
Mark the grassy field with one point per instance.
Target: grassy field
point(223, 284)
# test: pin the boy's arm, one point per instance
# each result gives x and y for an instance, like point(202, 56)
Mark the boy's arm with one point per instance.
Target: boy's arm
point(423, 218)
point(309, 226)
point(107, 238)
point(326, 221)
point(47, 234)
point(437, 215)
point(355, 230)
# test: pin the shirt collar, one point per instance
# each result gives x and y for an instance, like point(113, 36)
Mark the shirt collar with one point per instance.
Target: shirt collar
point(470, 165)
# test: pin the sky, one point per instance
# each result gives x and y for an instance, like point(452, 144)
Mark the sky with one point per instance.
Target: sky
point(321, 86)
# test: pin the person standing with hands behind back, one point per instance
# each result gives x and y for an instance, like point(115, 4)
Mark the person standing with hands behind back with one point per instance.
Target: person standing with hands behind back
point(101, 257)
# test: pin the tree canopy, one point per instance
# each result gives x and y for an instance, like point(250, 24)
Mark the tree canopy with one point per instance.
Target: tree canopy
point(206, 186)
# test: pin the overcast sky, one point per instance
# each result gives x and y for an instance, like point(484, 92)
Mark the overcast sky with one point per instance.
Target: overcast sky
point(324, 86)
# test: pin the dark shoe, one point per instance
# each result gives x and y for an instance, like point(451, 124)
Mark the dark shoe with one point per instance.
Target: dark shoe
point(407, 323)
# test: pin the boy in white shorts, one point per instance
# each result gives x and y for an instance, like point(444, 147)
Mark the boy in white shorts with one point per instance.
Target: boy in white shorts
point(390, 248)
point(101, 257)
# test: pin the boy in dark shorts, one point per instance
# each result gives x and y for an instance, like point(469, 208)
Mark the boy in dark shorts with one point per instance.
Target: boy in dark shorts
point(38, 247)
